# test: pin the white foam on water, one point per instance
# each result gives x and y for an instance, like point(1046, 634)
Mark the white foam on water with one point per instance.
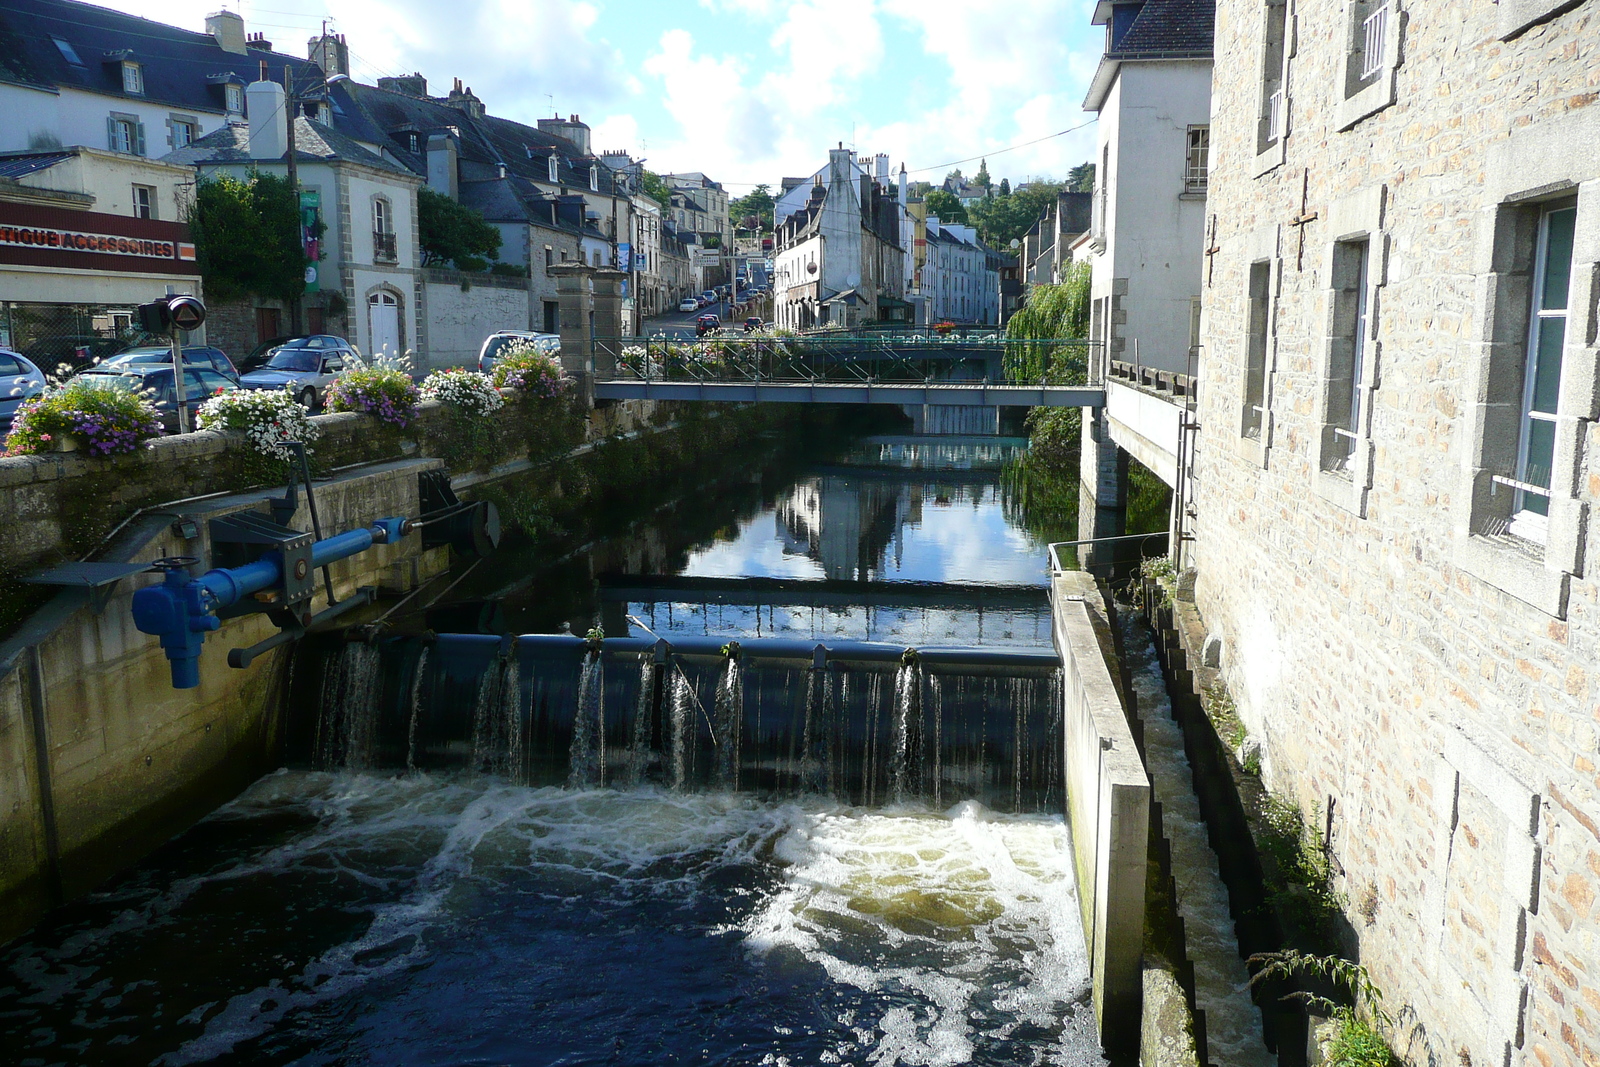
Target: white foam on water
point(974, 913)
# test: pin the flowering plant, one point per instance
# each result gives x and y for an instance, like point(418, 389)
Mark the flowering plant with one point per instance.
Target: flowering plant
point(270, 418)
point(109, 418)
point(468, 390)
point(382, 387)
point(524, 368)
point(944, 329)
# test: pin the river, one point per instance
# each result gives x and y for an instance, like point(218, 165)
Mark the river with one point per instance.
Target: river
point(442, 905)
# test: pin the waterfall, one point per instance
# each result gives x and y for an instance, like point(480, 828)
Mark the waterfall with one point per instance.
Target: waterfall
point(813, 768)
point(588, 756)
point(936, 709)
point(729, 725)
point(419, 673)
point(869, 764)
point(639, 745)
point(682, 729)
point(1021, 693)
point(905, 757)
point(347, 723)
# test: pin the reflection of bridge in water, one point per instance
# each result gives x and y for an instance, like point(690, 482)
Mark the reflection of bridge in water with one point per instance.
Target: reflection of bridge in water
point(912, 370)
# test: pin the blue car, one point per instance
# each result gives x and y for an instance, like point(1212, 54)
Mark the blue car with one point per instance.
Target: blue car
point(19, 380)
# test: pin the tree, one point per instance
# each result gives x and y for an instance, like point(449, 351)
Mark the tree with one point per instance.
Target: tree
point(758, 203)
point(1080, 179)
point(247, 237)
point(656, 188)
point(453, 233)
point(946, 206)
point(983, 180)
point(1005, 186)
point(1009, 216)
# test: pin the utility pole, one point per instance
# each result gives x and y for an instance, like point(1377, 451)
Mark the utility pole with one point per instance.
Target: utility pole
point(290, 107)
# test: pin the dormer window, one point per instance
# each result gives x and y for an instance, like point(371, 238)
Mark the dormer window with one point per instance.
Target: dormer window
point(235, 98)
point(132, 78)
point(553, 165)
point(594, 177)
point(414, 142)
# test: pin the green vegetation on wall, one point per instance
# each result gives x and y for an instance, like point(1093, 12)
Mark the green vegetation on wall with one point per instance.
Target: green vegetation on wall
point(247, 237)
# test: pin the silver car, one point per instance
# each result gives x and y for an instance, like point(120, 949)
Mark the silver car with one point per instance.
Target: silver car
point(307, 365)
point(19, 380)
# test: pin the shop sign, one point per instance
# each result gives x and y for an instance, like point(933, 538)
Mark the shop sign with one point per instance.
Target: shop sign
point(37, 235)
point(74, 241)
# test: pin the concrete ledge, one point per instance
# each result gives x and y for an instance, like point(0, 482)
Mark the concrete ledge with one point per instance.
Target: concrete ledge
point(1166, 1035)
point(1108, 807)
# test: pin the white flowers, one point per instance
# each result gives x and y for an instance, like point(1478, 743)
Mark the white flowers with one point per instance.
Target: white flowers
point(269, 418)
point(465, 389)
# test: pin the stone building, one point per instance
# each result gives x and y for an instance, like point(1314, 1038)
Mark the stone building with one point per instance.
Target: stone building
point(1395, 481)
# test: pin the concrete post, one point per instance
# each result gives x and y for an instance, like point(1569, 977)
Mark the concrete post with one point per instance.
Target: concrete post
point(1103, 491)
point(608, 328)
point(575, 289)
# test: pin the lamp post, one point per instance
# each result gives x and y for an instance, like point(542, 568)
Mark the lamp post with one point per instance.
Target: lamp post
point(291, 102)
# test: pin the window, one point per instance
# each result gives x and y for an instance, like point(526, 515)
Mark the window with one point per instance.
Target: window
point(554, 164)
point(384, 246)
point(380, 215)
point(594, 177)
point(144, 202)
point(126, 134)
point(1198, 161)
point(184, 132)
point(1541, 375)
point(1372, 53)
point(1255, 372)
point(549, 257)
point(133, 79)
point(1272, 124)
point(1347, 371)
point(234, 95)
point(414, 142)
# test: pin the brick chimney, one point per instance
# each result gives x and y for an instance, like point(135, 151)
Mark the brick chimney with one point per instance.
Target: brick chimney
point(570, 130)
point(329, 52)
point(411, 84)
point(227, 27)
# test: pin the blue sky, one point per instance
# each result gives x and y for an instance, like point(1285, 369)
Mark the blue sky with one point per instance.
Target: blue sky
point(745, 90)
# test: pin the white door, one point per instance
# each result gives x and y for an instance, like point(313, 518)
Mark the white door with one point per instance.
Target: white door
point(383, 318)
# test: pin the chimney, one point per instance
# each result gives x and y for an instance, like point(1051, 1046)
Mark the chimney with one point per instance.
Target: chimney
point(442, 171)
point(464, 100)
point(572, 130)
point(258, 42)
point(269, 130)
point(228, 29)
point(903, 200)
point(411, 85)
point(881, 171)
point(329, 52)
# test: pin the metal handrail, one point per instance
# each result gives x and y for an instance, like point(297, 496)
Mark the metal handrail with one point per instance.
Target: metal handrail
point(1055, 556)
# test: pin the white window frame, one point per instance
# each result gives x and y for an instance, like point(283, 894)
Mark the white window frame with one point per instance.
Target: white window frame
point(1525, 174)
point(594, 177)
point(189, 125)
point(233, 98)
point(132, 78)
point(382, 212)
point(1372, 55)
point(555, 168)
point(1197, 159)
point(148, 192)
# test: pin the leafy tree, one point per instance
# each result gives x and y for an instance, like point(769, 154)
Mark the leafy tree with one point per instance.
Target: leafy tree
point(1080, 179)
point(1005, 186)
point(757, 203)
point(247, 237)
point(1009, 216)
point(656, 188)
point(453, 233)
point(946, 206)
point(983, 180)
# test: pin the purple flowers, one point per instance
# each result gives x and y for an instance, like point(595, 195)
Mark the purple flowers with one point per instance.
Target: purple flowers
point(108, 420)
point(386, 392)
point(532, 372)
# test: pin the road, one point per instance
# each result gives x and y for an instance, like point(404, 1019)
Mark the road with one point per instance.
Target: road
point(681, 324)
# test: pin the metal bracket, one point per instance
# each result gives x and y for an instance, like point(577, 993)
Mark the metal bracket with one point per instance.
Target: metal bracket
point(100, 579)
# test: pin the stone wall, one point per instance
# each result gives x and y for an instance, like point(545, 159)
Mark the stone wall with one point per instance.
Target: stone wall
point(1425, 681)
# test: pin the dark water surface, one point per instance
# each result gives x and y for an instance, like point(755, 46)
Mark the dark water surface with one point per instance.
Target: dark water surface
point(453, 916)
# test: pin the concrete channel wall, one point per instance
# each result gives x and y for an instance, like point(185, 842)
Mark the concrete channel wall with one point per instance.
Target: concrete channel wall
point(1108, 807)
point(101, 759)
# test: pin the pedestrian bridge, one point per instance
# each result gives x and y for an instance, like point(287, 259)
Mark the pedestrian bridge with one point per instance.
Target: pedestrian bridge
point(911, 369)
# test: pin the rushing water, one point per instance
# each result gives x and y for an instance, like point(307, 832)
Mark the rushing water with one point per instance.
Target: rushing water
point(499, 858)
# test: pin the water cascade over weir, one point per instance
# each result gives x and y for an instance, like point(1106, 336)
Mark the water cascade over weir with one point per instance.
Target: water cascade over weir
point(865, 724)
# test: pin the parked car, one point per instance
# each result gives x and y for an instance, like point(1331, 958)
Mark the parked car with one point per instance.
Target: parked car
point(261, 353)
point(20, 379)
point(689, 303)
point(307, 365)
point(495, 344)
point(77, 351)
point(193, 355)
point(199, 385)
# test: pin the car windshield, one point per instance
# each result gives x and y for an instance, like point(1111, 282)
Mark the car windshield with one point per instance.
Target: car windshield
point(295, 359)
point(155, 355)
point(158, 385)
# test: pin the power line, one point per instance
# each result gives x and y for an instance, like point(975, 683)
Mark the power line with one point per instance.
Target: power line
point(1001, 151)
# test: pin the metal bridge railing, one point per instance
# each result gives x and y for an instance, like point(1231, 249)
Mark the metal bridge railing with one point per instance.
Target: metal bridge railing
point(869, 358)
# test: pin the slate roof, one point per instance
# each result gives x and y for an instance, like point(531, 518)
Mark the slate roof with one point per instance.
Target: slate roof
point(313, 143)
point(180, 67)
point(1169, 29)
point(20, 164)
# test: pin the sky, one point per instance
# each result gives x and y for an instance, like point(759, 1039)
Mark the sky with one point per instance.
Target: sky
point(744, 90)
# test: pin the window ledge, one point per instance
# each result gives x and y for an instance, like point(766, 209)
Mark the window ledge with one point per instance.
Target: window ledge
point(1368, 101)
point(1340, 487)
point(1192, 194)
point(1516, 568)
point(1269, 159)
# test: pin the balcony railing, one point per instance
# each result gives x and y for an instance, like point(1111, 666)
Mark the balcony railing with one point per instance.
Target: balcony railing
point(1275, 116)
point(383, 248)
point(1375, 31)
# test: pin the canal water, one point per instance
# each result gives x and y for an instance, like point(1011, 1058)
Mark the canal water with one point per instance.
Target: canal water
point(460, 867)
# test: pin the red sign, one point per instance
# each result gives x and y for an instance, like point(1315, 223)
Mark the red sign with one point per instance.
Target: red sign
point(38, 236)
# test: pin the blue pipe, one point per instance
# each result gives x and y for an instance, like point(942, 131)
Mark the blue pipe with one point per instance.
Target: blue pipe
point(181, 609)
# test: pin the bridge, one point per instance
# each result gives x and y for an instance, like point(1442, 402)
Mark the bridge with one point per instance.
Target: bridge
point(908, 369)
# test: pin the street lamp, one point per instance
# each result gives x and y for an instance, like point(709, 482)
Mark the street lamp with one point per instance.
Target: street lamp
point(293, 98)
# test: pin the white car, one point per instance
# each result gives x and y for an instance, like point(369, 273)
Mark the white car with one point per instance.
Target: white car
point(688, 303)
point(496, 343)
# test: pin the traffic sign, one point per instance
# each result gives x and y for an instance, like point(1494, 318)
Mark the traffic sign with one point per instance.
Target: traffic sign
point(186, 312)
